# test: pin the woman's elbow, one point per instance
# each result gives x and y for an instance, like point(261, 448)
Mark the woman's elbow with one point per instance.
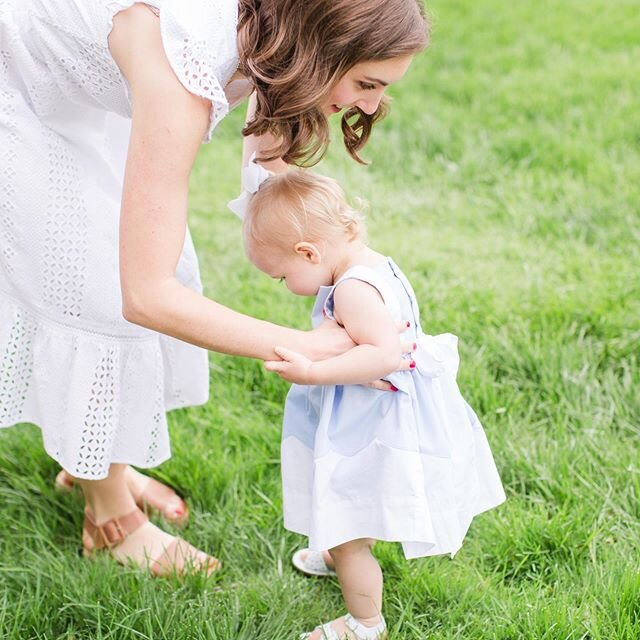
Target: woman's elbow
point(151, 303)
point(136, 307)
point(132, 312)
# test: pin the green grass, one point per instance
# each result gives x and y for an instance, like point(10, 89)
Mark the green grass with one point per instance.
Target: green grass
point(506, 183)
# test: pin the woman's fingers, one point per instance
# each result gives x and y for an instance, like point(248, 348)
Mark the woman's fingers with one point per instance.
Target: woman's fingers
point(381, 385)
point(408, 347)
point(406, 364)
point(405, 345)
point(402, 325)
point(327, 341)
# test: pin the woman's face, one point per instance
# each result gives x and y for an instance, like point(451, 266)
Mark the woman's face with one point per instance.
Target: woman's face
point(364, 84)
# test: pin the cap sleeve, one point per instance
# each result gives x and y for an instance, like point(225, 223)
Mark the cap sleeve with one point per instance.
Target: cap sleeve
point(199, 38)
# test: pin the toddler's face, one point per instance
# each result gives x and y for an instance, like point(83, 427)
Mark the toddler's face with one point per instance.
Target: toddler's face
point(302, 276)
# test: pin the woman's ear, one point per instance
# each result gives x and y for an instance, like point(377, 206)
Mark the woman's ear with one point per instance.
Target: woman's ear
point(308, 251)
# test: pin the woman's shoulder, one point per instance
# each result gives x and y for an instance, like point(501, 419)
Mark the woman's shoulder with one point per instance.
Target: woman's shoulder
point(203, 34)
point(199, 43)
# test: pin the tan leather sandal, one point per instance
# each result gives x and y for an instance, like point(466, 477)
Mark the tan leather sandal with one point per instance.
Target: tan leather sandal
point(179, 558)
point(156, 497)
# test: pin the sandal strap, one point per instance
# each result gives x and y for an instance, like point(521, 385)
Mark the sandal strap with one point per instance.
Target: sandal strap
point(315, 564)
point(181, 555)
point(155, 493)
point(365, 633)
point(163, 564)
point(114, 531)
point(328, 633)
point(361, 632)
point(315, 561)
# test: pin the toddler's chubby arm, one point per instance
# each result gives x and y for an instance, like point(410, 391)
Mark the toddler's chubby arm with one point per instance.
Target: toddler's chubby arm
point(360, 309)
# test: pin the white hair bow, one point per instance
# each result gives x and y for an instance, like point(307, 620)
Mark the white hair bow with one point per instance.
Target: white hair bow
point(253, 175)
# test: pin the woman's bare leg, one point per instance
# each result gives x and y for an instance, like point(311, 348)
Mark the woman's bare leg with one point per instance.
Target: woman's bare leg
point(110, 497)
point(168, 503)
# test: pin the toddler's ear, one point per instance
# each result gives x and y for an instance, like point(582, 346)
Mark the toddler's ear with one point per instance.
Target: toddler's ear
point(308, 251)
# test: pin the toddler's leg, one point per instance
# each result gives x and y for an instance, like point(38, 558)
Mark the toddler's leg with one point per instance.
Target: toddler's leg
point(361, 583)
point(360, 579)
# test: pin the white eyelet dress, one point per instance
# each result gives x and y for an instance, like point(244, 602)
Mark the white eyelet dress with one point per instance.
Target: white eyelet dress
point(97, 386)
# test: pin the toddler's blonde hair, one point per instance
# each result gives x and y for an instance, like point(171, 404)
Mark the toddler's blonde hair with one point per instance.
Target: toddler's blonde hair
point(300, 205)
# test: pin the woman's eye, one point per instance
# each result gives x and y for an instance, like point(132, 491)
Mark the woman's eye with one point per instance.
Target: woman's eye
point(367, 86)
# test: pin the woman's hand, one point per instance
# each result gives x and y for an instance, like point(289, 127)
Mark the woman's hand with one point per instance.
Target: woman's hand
point(405, 364)
point(330, 339)
point(327, 341)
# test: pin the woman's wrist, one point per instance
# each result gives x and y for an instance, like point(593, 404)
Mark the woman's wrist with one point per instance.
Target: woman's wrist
point(326, 341)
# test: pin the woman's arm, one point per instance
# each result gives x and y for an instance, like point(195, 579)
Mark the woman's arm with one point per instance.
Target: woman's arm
point(256, 144)
point(360, 309)
point(168, 124)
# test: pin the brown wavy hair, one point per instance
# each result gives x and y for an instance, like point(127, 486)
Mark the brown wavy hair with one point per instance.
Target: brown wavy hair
point(295, 51)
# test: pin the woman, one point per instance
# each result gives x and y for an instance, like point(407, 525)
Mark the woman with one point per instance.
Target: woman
point(103, 106)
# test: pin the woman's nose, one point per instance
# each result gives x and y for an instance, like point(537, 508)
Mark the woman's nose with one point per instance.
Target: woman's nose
point(370, 104)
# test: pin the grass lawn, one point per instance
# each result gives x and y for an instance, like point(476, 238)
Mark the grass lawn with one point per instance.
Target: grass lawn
point(506, 183)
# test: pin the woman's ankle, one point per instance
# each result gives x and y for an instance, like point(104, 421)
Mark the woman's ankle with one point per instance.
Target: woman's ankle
point(110, 497)
point(107, 509)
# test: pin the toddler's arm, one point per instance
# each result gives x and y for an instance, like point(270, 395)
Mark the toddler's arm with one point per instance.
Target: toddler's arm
point(360, 309)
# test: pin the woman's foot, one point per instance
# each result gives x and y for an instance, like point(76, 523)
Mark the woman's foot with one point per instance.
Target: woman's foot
point(348, 628)
point(148, 493)
point(314, 563)
point(133, 539)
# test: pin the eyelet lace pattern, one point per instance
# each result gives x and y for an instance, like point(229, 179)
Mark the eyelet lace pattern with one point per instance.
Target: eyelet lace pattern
point(98, 387)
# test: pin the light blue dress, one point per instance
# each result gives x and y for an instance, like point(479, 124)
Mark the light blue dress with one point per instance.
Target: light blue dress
point(412, 466)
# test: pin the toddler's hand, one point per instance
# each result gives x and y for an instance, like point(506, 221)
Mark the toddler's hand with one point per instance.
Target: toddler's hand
point(293, 367)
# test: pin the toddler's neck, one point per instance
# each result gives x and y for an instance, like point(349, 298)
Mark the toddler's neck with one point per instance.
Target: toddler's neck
point(354, 253)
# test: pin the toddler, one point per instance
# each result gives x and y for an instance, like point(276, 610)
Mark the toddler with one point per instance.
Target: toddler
point(411, 465)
